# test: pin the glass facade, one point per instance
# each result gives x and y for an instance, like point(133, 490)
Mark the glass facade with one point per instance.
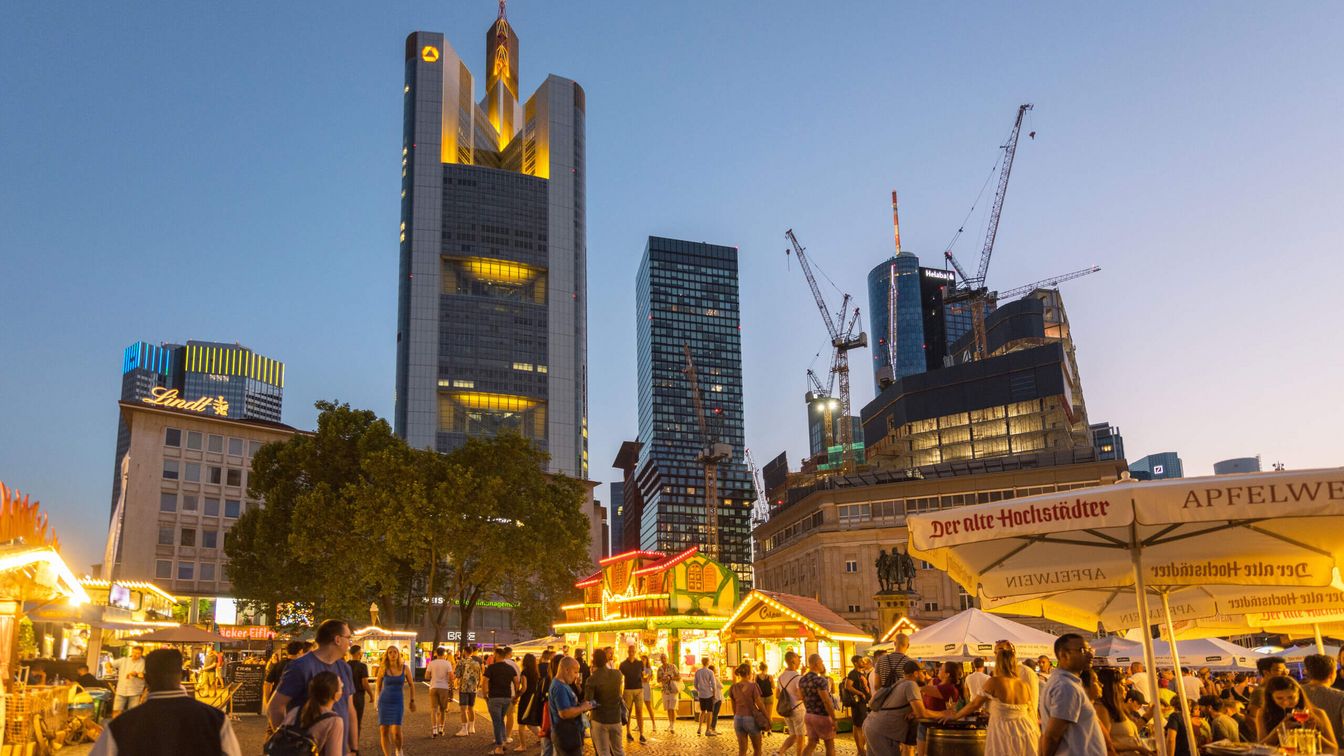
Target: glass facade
point(925, 327)
point(1158, 466)
point(687, 296)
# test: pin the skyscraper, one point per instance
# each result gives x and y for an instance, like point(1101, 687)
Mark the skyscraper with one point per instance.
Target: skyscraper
point(1160, 466)
point(491, 320)
point(238, 383)
point(687, 297)
point(924, 328)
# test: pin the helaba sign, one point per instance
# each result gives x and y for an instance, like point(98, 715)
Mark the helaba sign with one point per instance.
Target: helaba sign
point(172, 399)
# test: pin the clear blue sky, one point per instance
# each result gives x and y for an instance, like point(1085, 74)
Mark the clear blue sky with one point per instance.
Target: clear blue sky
point(231, 171)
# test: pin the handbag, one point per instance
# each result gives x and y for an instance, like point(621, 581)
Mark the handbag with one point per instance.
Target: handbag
point(762, 718)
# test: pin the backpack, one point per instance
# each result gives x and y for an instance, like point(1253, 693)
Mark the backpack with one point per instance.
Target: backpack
point(293, 740)
point(785, 705)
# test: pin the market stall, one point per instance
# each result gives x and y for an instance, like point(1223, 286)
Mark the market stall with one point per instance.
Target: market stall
point(661, 604)
point(768, 625)
point(374, 640)
point(32, 574)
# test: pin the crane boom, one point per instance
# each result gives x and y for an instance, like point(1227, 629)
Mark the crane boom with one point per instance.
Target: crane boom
point(1010, 149)
point(1049, 282)
point(711, 454)
point(812, 282)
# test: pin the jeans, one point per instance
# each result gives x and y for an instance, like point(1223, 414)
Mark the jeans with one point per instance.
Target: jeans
point(498, 708)
point(608, 739)
point(125, 703)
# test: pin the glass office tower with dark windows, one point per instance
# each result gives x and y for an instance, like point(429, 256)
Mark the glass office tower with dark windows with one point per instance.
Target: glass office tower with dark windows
point(492, 293)
point(250, 385)
point(687, 296)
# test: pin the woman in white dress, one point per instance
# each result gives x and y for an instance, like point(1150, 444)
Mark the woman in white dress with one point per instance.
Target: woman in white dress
point(1013, 730)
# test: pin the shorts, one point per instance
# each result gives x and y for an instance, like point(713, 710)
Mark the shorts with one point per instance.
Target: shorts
point(922, 733)
point(858, 712)
point(911, 736)
point(125, 703)
point(746, 726)
point(796, 723)
point(466, 698)
point(819, 726)
point(669, 701)
point(439, 698)
point(648, 693)
point(631, 698)
point(707, 704)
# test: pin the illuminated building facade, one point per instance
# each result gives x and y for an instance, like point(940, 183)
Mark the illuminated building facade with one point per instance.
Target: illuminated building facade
point(1025, 397)
point(248, 385)
point(687, 296)
point(491, 324)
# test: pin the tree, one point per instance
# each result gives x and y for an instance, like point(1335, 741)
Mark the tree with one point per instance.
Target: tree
point(304, 545)
point(521, 533)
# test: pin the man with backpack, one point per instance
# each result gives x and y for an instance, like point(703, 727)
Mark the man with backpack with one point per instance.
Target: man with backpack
point(170, 722)
point(790, 704)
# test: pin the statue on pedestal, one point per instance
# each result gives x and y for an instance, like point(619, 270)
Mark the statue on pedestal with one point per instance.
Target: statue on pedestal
point(884, 572)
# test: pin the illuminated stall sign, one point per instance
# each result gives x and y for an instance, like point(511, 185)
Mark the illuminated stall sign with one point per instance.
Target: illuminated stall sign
point(247, 632)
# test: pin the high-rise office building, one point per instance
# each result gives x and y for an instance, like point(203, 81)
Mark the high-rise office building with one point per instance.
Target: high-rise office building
point(1237, 465)
point(1158, 466)
point(491, 321)
point(226, 380)
point(1107, 440)
point(617, 532)
point(924, 328)
point(687, 297)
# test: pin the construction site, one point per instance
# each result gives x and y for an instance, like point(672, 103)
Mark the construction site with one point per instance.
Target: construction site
point(978, 398)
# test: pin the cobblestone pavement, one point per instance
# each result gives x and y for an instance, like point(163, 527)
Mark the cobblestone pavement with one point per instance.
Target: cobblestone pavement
point(251, 730)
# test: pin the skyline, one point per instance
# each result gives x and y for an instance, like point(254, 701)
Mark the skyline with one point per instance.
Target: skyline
point(173, 174)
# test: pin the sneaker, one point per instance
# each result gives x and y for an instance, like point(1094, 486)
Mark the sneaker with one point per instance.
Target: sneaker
point(711, 733)
point(642, 740)
point(629, 738)
point(462, 733)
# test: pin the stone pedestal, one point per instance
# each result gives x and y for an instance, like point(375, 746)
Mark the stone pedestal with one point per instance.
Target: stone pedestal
point(892, 605)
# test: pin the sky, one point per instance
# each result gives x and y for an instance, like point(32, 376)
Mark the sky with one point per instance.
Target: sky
point(230, 172)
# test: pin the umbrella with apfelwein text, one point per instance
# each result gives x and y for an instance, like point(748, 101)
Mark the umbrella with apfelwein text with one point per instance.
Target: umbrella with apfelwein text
point(1282, 529)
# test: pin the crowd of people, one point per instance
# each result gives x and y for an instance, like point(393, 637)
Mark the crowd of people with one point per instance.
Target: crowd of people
point(317, 692)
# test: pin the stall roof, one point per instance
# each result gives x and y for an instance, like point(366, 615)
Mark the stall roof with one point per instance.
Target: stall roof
point(134, 585)
point(812, 613)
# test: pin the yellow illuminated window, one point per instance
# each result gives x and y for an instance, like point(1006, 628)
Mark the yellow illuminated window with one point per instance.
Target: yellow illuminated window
point(524, 366)
point(464, 384)
point(541, 368)
point(694, 578)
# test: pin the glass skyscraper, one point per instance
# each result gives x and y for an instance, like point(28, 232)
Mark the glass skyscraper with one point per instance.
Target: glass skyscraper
point(250, 385)
point(687, 296)
point(925, 327)
point(492, 299)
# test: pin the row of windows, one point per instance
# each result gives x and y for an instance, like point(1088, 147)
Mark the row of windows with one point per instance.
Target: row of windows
point(197, 441)
point(209, 538)
point(207, 505)
point(191, 472)
point(163, 570)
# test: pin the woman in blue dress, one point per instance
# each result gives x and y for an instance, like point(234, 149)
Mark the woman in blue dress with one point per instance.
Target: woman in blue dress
point(393, 680)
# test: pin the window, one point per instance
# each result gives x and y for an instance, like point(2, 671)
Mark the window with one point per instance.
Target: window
point(234, 477)
point(253, 447)
point(216, 475)
point(170, 469)
point(930, 606)
point(854, 609)
point(194, 439)
point(188, 537)
point(695, 579)
point(172, 437)
point(216, 443)
point(965, 599)
point(167, 502)
point(209, 539)
point(186, 570)
point(208, 571)
point(193, 472)
point(231, 507)
point(163, 569)
point(165, 536)
point(852, 566)
point(188, 502)
point(236, 447)
point(211, 507)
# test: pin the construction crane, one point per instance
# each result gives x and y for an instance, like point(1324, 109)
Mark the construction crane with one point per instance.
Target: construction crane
point(972, 289)
point(1046, 282)
point(760, 511)
point(843, 340)
point(711, 454)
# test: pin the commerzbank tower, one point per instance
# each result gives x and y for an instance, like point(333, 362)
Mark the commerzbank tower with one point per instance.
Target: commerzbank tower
point(492, 302)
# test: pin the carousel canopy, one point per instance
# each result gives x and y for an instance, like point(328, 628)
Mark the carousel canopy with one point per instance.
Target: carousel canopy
point(972, 633)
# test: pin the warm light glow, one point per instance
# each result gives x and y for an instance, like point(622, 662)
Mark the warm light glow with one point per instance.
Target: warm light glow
point(643, 623)
point(172, 399)
point(375, 630)
point(134, 585)
point(430, 54)
point(757, 598)
point(499, 271)
point(45, 555)
point(481, 400)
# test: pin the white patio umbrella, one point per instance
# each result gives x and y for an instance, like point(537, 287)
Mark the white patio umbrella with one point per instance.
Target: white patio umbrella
point(1298, 653)
point(1116, 651)
point(1268, 529)
point(972, 633)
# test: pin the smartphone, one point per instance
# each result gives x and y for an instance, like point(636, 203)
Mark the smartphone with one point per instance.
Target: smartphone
point(593, 704)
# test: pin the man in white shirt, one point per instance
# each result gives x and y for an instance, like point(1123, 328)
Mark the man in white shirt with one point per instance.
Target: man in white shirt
point(1190, 685)
point(1069, 725)
point(1138, 678)
point(439, 674)
point(977, 678)
point(788, 683)
point(130, 680)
